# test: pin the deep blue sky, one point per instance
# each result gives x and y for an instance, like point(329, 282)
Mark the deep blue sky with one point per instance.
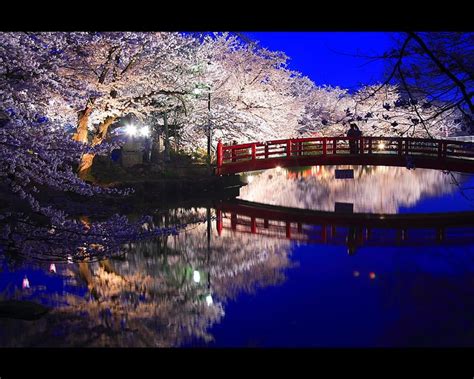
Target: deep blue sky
point(325, 56)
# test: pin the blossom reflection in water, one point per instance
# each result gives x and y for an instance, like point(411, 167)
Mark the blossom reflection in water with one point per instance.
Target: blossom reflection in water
point(374, 189)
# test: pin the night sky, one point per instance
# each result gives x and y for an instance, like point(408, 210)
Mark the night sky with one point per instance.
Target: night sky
point(327, 57)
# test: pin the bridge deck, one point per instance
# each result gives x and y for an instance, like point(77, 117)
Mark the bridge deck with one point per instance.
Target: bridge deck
point(388, 151)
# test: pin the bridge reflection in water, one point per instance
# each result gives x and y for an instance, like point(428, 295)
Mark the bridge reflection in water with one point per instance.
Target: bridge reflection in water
point(351, 229)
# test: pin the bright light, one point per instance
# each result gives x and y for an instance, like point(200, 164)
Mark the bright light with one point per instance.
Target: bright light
point(131, 130)
point(52, 268)
point(381, 146)
point(26, 283)
point(356, 274)
point(209, 299)
point(196, 276)
point(145, 131)
point(249, 179)
point(372, 275)
point(69, 259)
point(278, 168)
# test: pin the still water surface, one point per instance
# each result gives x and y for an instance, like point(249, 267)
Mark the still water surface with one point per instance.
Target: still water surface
point(279, 284)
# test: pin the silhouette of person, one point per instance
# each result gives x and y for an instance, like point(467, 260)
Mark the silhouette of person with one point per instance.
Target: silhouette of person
point(354, 240)
point(410, 162)
point(354, 132)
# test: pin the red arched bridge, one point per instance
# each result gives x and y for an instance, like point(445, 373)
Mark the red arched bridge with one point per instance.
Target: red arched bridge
point(351, 229)
point(382, 151)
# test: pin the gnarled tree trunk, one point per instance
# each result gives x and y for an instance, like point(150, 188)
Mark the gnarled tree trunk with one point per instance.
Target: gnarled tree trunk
point(87, 159)
point(82, 123)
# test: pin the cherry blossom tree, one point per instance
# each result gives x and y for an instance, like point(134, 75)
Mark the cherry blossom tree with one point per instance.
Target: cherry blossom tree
point(253, 94)
point(44, 81)
point(378, 111)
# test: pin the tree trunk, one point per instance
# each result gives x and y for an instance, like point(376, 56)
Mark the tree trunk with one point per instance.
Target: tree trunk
point(87, 159)
point(103, 129)
point(85, 274)
point(166, 152)
point(82, 123)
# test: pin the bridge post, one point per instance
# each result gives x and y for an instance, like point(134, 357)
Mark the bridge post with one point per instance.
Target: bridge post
point(324, 146)
point(370, 145)
point(406, 146)
point(219, 157)
point(334, 142)
point(233, 221)
point(288, 148)
point(254, 149)
point(253, 225)
point(445, 149)
point(266, 150)
point(288, 229)
point(361, 141)
point(324, 235)
point(400, 141)
point(440, 149)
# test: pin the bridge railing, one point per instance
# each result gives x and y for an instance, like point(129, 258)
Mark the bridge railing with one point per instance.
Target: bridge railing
point(298, 224)
point(298, 147)
point(336, 233)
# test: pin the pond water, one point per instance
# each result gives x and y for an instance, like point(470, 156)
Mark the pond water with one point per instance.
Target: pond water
point(251, 273)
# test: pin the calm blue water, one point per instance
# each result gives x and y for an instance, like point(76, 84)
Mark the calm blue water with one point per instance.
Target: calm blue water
point(416, 299)
point(268, 290)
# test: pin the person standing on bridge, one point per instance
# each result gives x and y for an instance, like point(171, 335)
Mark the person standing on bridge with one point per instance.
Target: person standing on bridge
point(354, 132)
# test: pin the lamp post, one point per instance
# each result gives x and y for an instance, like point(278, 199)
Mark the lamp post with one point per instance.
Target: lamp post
point(197, 91)
point(196, 274)
point(209, 129)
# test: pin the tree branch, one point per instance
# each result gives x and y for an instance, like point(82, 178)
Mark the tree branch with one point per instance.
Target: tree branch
point(444, 70)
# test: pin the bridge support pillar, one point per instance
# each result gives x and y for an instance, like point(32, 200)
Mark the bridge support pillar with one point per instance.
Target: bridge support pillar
point(288, 148)
point(324, 236)
point(288, 229)
point(253, 225)
point(233, 221)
